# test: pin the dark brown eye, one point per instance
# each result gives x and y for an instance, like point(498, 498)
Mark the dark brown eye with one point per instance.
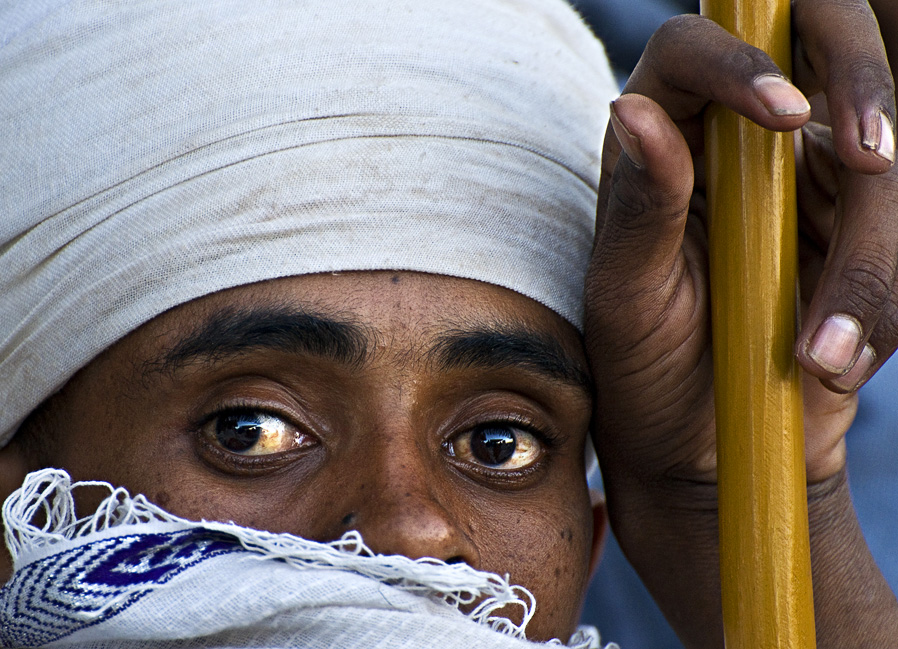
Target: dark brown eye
point(497, 446)
point(493, 446)
point(253, 432)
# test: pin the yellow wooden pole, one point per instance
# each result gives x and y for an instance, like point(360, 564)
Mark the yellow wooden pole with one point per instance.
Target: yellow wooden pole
point(764, 546)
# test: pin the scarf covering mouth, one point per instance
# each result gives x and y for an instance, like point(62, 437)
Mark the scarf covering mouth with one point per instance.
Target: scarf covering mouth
point(132, 575)
point(155, 151)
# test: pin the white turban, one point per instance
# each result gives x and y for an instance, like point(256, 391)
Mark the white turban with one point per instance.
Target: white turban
point(154, 151)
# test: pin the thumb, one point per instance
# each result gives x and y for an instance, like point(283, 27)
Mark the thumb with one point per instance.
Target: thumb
point(646, 325)
point(644, 201)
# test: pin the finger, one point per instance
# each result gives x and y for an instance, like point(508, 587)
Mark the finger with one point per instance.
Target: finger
point(691, 60)
point(827, 417)
point(827, 413)
point(611, 151)
point(642, 216)
point(646, 298)
point(849, 62)
point(877, 351)
point(852, 322)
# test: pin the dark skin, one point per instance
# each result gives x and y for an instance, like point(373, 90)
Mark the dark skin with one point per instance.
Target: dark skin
point(648, 335)
point(647, 342)
point(377, 390)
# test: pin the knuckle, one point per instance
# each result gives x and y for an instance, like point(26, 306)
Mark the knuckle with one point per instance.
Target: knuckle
point(627, 199)
point(673, 30)
point(855, 58)
point(706, 39)
point(813, 7)
point(885, 337)
point(751, 59)
point(631, 202)
point(670, 40)
point(868, 71)
point(867, 278)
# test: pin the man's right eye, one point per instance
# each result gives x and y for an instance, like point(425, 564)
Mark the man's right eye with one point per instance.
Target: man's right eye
point(254, 432)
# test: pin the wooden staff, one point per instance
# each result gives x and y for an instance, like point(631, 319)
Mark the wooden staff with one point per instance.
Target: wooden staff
point(764, 546)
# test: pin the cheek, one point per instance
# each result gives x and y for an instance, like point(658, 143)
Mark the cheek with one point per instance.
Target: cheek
point(162, 466)
point(546, 549)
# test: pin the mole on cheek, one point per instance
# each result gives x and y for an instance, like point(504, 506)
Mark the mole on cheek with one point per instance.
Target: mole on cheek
point(348, 520)
point(162, 499)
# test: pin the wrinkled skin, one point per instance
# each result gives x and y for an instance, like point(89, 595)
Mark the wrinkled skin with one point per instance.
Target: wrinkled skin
point(378, 436)
point(648, 333)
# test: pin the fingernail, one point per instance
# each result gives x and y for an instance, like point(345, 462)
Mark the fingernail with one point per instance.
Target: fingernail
point(630, 143)
point(879, 137)
point(855, 377)
point(779, 96)
point(835, 342)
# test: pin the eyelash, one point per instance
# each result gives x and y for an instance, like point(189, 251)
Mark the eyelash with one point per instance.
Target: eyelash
point(548, 438)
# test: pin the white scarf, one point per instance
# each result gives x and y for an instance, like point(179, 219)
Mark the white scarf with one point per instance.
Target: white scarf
point(132, 575)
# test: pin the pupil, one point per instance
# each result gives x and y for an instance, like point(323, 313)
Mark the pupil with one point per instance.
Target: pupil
point(493, 445)
point(238, 433)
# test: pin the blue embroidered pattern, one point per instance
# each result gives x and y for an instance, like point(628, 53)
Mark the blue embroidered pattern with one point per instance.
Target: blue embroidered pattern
point(56, 596)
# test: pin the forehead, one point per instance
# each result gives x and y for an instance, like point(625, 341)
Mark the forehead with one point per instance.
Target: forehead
point(403, 318)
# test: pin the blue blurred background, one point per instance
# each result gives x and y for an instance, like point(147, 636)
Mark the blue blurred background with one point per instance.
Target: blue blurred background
point(626, 25)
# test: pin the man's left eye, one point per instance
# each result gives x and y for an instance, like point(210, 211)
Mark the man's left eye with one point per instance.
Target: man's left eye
point(497, 446)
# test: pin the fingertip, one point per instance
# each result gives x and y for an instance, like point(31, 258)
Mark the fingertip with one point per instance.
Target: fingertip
point(653, 143)
point(855, 155)
point(780, 97)
point(878, 136)
point(631, 110)
point(646, 196)
point(833, 346)
point(854, 378)
point(629, 142)
point(829, 354)
point(864, 139)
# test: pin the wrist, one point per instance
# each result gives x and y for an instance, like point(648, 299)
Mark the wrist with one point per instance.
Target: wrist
point(853, 603)
point(668, 530)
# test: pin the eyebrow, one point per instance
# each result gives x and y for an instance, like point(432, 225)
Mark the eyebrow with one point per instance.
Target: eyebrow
point(232, 332)
point(511, 347)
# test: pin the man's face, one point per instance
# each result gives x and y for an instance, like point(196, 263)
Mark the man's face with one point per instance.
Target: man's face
point(439, 417)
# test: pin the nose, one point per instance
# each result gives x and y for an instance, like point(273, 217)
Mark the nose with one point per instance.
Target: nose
point(397, 511)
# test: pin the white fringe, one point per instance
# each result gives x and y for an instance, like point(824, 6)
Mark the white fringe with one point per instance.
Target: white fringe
point(50, 492)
